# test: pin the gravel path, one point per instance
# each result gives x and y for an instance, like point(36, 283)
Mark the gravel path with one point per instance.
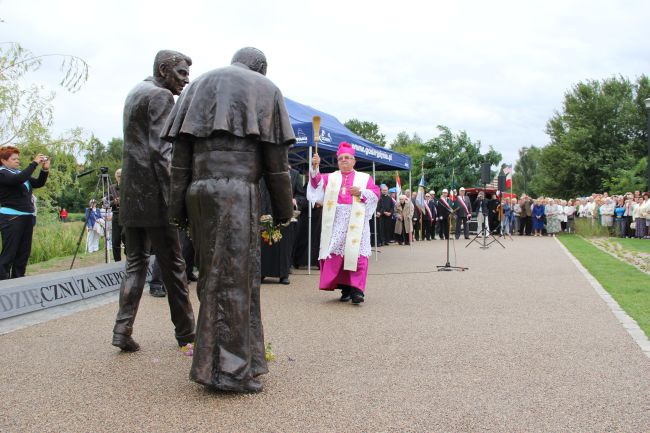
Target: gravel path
point(520, 342)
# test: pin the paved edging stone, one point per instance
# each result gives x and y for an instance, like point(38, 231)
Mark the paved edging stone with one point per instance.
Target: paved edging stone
point(628, 323)
point(15, 323)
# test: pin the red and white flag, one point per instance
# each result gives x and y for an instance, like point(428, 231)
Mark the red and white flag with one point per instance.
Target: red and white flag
point(507, 170)
point(398, 185)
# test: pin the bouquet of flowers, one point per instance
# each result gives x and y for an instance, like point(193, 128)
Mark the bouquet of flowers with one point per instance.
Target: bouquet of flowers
point(270, 232)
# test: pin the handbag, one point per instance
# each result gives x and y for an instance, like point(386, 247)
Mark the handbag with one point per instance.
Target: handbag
point(633, 226)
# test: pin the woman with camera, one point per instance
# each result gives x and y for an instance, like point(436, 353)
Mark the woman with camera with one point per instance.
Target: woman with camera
point(17, 214)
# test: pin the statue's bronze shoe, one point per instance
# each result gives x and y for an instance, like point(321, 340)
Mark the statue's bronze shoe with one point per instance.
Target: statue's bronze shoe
point(125, 342)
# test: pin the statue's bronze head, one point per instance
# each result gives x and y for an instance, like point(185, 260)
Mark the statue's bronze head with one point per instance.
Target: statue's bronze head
point(251, 57)
point(172, 70)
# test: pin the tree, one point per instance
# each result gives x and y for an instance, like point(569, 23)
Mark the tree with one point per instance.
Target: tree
point(61, 190)
point(26, 116)
point(99, 155)
point(367, 130)
point(525, 170)
point(22, 106)
point(412, 146)
point(449, 155)
point(628, 180)
point(600, 132)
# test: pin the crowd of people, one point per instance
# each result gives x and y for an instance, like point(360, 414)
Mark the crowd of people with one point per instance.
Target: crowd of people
point(626, 215)
point(401, 220)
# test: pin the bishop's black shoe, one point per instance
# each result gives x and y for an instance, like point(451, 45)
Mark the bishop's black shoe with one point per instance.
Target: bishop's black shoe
point(345, 293)
point(357, 296)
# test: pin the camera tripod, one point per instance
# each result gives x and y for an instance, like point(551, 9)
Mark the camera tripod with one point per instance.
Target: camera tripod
point(103, 186)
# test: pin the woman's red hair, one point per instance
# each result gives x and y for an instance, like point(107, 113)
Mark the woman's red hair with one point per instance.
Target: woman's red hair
point(7, 151)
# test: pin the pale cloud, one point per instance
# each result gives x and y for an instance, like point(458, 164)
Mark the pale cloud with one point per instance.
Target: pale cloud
point(497, 70)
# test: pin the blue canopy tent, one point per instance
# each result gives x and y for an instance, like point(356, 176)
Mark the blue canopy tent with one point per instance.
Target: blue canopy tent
point(332, 132)
point(369, 157)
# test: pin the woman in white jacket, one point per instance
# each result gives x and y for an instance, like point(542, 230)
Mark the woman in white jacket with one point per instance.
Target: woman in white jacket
point(607, 213)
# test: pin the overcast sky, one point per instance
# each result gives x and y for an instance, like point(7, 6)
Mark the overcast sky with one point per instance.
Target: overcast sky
point(497, 69)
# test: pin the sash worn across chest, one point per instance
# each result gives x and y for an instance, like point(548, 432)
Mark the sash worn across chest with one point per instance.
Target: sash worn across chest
point(355, 225)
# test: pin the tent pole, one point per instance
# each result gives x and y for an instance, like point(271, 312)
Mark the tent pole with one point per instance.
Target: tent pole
point(374, 217)
point(411, 201)
point(309, 219)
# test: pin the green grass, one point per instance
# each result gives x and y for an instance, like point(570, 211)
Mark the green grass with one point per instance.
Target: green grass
point(53, 239)
point(63, 263)
point(585, 227)
point(72, 217)
point(639, 245)
point(628, 286)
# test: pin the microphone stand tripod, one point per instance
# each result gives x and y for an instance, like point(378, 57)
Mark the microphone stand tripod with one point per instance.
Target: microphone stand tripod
point(447, 266)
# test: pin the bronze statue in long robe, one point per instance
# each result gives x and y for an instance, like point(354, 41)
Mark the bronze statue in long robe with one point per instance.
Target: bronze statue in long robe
point(229, 128)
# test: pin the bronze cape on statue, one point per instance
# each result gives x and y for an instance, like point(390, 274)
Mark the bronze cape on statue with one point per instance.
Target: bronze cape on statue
point(229, 128)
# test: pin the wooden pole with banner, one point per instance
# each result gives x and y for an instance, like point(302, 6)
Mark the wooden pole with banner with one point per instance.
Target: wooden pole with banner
point(411, 237)
point(374, 179)
point(315, 121)
point(422, 213)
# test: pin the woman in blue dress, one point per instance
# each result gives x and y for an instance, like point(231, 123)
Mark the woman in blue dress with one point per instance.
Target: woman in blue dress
point(619, 218)
point(538, 217)
point(506, 219)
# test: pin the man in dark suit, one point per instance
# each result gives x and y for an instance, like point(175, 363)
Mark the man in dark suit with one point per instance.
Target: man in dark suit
point(117, 236)
point(526, 216)
point(430, 216)
point(493, 216)
point(417, 217)
point(464, 207)
point(146, 161)
point(444, 211)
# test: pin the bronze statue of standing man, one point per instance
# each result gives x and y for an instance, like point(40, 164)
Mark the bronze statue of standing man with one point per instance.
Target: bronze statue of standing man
point(230, 127)
point(144, 192)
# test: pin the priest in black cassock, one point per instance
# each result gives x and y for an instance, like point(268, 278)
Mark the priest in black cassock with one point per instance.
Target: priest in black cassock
point(301, 241)
point(277, 258)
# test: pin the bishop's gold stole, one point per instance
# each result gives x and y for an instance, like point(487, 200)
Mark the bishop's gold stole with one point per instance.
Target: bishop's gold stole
point(355, 225)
